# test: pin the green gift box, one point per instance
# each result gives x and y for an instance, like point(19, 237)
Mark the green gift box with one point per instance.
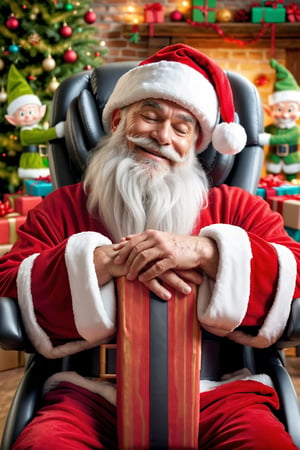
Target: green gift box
point(204, 10)
point(269, 12)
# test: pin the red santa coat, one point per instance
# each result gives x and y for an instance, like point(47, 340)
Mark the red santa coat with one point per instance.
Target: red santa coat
point(50, 269)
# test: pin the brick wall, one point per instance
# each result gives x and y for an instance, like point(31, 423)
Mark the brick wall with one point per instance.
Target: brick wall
point(114, 13)
point(111, 15)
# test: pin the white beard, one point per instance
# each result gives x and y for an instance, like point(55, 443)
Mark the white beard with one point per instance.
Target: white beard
point(131, 196)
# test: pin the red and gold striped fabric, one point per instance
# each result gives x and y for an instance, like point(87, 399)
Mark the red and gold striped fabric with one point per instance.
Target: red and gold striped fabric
point(178, 362)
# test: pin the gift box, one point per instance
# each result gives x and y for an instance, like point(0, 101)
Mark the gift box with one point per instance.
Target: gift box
point(289, 207)
point(11, 359)
point(154, 13)
point(269, 12)
point(9, 225)
point(10, 198)
point(204, 10)
point(295, 234)
point(4, 248)
point(272, 185)
point(38, 187)
point(26, 202)
point(287, 189)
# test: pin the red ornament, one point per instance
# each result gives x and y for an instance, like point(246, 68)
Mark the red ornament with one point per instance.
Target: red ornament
point(97, 54)
point(12, 23)
point(66, 31)
point(88, 67)
point(70, 56)
point(90, 16)
point(261, 80)
point(176, 16)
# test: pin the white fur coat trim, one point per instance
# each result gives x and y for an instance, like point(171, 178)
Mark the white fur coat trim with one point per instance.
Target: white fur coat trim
point(222, 304)
point(276, 320)
point(94, 308)
point(37, 336)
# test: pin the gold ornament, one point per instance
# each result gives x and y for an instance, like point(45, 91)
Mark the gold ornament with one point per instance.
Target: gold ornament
point(224, 15)
point(3, 95)
point(53, 85)
point(2, 64)
point(48, 64)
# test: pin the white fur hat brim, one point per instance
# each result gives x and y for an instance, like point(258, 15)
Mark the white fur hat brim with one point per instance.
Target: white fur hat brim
point(165, 80)
point(284, 96)
point(23, 100)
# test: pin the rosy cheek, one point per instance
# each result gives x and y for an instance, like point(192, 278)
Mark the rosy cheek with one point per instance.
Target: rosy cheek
point(293, 115)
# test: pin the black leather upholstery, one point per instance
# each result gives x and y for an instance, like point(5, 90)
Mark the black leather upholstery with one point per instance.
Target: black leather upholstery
point(80, 100)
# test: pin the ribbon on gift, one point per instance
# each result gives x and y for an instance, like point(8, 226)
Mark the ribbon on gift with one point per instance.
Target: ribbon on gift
point(270, 182)
point(205, 9)
point(279, 202)
point(12, 226)
point(293, 12)
point(5, 208)
point(274, 3)
point(155, 8)
point(47, 178)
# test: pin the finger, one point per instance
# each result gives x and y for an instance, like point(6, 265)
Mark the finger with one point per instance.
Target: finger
point(125, 247)
point(144, 263)
point(158, 289)
point(171, 279)
point(191, 275)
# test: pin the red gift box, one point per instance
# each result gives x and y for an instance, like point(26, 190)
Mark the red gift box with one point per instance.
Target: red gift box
point(289, 207)
point(153, 13)
point(9, 225)
point(26, 202)
point(10, 198)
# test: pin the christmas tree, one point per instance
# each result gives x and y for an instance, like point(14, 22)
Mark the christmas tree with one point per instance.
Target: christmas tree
point(47, 40)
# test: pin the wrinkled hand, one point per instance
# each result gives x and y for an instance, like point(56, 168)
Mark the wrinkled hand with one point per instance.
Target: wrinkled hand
point(104, 264)
point(156, 257)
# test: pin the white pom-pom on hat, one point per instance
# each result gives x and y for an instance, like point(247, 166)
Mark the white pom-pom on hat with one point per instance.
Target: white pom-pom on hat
point(229, 138)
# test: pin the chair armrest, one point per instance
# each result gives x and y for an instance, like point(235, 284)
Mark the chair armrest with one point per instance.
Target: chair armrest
point(12, 333)
point(289, 412)
point(291, 335)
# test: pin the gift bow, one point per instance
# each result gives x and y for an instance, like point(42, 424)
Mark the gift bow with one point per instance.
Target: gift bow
point(47, 178)
point(5, 208)
point(293, 12)
point(271, 181)
point(274, 3)
point(154, 7)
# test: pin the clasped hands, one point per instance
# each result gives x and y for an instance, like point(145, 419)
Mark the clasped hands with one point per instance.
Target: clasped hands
point(160, 260)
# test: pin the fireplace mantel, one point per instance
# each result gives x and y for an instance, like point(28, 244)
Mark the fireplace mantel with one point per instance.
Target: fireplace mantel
point(285, 36)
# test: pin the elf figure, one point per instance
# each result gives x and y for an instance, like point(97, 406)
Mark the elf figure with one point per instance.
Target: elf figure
point(283, 134)
point(25, 110)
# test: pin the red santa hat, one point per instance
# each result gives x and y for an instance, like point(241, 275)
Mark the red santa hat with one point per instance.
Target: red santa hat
point(184, 75)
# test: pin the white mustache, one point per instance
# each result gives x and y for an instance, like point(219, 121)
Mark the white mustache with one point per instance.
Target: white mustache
point(166, 151)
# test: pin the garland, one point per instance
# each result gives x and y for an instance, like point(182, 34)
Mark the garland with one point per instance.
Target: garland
point(233, 40)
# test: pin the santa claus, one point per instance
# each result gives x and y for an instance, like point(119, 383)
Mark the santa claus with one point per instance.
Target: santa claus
point(145, 211)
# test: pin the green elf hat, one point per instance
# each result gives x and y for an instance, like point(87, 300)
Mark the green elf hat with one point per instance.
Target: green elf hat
point(18, 91)
point(286, 87)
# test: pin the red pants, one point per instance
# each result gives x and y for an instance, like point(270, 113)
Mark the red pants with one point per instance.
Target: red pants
point(235, 416)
